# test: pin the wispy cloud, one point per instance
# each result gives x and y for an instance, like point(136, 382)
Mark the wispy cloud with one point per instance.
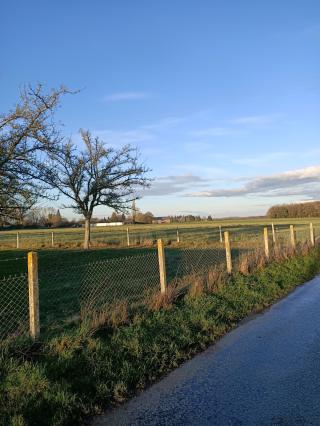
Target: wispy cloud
point(263, 159)
point(118, 137)
point(256, 119)
point(210, 172)
point(165, 123)
point(237, 126)
point(214, 131)
point(126, 96)
point(168, 185)
point(144, 133)
point(302, 182)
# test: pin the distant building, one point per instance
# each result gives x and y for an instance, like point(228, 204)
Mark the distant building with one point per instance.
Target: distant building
point(109, 224)
point(160, 220)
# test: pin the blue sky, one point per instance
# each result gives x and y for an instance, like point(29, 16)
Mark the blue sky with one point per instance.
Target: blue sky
point(221, 97)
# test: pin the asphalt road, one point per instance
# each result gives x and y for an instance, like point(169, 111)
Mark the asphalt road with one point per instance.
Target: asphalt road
point(265, 372)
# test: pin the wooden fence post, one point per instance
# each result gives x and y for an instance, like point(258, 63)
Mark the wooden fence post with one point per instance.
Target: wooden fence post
point(312, 235)
point(18, 240)
point(52, 239)
point(228, 252)
point(34, 320)
point(162, 266)
point(273, 233)
point(128, 237)
point(292, 237)
point(178, 237)
point(266, 242)
point(220, 230)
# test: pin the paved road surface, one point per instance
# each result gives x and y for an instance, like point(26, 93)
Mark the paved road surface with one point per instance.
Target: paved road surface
point(265, 372)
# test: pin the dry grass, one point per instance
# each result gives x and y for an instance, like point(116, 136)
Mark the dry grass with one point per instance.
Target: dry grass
point(198, 285)
point(305, 248)
point(108, 316)
point(217, 277)
point(159, 300)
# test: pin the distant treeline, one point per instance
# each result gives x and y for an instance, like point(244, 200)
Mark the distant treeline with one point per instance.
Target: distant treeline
point(311, 209)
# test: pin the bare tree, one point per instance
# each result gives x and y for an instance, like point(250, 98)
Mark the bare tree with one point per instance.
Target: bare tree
point(27, 134)
point(95, 176)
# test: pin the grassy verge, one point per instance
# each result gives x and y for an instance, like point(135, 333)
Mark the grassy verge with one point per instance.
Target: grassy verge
point(62, 380)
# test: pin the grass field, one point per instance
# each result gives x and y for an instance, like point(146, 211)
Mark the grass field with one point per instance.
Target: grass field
point(201, 233)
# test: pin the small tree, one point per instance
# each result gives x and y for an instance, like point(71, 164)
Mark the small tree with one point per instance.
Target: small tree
point(54, 219)
point(95, 176)
point(114, 217)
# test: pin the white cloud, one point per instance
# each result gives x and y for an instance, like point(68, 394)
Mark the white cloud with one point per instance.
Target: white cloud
point(167, 185)
point(303, 182)
point(118, 137)
point(256, 119)
point(237, 126)
point(126, 96)
point(263, 159)
point(214, 131)
point(165, 123)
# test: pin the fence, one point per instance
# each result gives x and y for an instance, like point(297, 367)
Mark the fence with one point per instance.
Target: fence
point(135, 235)
point(49, 298)
point(125, 237)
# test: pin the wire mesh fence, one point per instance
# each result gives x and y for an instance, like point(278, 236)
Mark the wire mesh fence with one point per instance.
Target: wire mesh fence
point(182, 262)
point(73, 285)
point(14, 306)
point(68, 291)
point(302, 234)
point(112, 281)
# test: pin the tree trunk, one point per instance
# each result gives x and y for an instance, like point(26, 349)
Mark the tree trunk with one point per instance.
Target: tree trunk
point(86, 244)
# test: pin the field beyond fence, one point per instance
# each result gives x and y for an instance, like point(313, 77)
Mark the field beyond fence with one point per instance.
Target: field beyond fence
point(43, 293)
point(186, 234)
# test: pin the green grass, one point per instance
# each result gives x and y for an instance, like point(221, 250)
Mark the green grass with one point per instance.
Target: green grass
point(45, 384)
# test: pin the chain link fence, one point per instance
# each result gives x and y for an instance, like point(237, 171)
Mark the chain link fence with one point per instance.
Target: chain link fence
point(67, 292)
point(182, 262)
point(14, 306)
point(74, 285)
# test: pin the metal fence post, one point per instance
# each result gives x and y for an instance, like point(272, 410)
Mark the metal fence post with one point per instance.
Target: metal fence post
point(162, 266)
point(292, 237)
point(52, 239)
point(34, 320)
point(266, 242)
point(220, 230)
point(312, 235)
point(178, 237)
point(228, 252)
point(273, 233)
point(18, 240)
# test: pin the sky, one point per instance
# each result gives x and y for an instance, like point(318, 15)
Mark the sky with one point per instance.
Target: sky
point(222, 98)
